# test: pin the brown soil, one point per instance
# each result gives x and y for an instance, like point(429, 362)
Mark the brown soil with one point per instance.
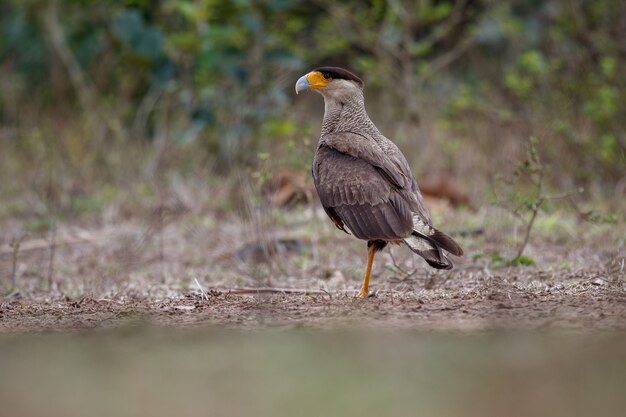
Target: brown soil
point(493, 306)
point(129, 273)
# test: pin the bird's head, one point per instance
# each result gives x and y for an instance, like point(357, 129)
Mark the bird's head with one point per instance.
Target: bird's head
point(331, 82)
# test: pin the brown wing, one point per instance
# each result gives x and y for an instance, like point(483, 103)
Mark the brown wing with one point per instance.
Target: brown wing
point(392, 165)
point(390, 162)
point(358, 195)
point(369, 186)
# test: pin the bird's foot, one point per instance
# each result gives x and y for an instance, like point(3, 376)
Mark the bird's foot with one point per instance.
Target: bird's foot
point(363, 293)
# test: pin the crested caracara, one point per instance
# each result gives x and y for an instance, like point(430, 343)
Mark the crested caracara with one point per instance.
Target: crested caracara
point(363, 180)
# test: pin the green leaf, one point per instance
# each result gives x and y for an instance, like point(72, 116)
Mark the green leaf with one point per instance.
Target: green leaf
point(128, 25)
point(498, 261)
point(476, 255)
point(144, 40)
point(522, 260)
point(149, 43)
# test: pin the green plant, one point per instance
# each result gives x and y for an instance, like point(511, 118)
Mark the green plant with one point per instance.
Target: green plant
point(524, 197)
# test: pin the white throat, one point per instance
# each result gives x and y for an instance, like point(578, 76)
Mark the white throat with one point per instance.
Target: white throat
point(342, 91)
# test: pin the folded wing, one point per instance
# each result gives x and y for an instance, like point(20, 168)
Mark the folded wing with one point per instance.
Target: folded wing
point(372, 192)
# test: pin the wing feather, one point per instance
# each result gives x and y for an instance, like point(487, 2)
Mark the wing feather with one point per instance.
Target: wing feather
point(366, 203)
point(390, 162)
point(373, 193)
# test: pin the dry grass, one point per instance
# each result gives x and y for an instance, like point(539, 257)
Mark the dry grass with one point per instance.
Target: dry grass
point(136, 305)
point(152, 265)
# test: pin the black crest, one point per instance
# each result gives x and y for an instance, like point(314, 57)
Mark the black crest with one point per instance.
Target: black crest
point(337, 73)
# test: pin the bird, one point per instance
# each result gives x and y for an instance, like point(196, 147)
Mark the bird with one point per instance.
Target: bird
point(363, 180)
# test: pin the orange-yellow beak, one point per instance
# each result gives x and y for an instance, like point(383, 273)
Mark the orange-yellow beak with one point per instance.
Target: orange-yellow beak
point(314, 80)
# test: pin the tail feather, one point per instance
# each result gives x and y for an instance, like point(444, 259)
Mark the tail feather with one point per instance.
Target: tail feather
point(436, 259)
point(431, 253)
point(438, 238)
point(442, 240)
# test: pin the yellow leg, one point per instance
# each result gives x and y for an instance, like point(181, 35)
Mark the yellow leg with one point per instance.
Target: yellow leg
point(371, 251)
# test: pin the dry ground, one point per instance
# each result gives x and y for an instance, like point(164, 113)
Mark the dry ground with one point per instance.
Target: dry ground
point(141, 315)
point(180, 269)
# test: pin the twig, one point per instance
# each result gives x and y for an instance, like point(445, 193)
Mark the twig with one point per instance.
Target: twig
point(534, 170)
point(160, 228)
point(146, 107)
point(204, 294)
point(269, 290)
point(440, 62)
point(77, 77)
point(85, 90)
point(538, 182)
point(467, 232)
point(529, 227)
point(331, 296)
point(404, 272)
point(15, 245)
point(82, 236)
point(52, 253)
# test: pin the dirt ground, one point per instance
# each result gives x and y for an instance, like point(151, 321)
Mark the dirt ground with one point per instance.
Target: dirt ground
point(294, 270)
point(496, 306)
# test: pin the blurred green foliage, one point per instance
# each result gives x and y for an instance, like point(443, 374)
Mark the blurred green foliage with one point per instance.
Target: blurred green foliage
point(83, 82)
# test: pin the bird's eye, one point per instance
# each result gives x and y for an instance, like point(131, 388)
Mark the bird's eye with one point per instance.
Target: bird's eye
point(326, 75)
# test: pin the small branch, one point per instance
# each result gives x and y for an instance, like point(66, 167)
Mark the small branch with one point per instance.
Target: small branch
point(269, 290)
point(160, 227)
point(467, 232)
point(404, 272)
point(52, 256)
point(331, 296)
point(204, 294)
point(38, 244)
point(442, 61)
point(146, 107)
point(529, 227)
point(85, 93)
point(15, 246)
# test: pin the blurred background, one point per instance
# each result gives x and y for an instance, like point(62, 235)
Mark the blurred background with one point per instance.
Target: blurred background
point(148, 144)
point(117, 101)
point(154, 155)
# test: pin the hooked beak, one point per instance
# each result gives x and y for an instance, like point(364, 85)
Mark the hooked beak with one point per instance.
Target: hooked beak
point(302, 84)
